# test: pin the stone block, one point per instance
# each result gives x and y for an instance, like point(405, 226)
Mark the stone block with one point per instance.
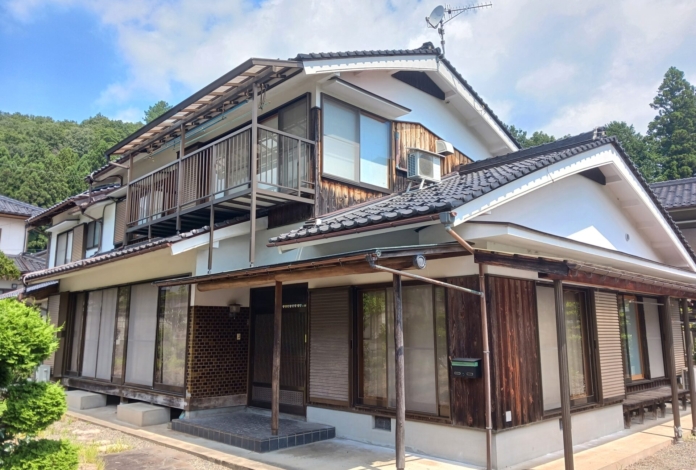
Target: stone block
point(142, 414)
point(81, 400)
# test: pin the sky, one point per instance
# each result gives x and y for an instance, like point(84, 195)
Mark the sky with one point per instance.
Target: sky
point(561, 66)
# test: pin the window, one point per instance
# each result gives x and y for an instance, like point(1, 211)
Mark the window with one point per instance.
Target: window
point(77, 320)
point(120, 334)
point(356, 144)
point(580, 369)
point(142, 328)
point(172, 319)
point(425, 349)
point(64, 244)
point(94, 229)
point(641, 338)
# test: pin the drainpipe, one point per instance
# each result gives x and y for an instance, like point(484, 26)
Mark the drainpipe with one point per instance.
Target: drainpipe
point(447, 218)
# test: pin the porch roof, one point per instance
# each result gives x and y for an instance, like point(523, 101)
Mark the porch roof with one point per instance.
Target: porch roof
point(83, 199)
point(353, 262)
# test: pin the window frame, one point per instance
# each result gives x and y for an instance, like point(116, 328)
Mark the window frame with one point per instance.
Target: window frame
point(639, 301)
point(359, 111)
point(92, 243)
point(158, 385)
point(69, 236)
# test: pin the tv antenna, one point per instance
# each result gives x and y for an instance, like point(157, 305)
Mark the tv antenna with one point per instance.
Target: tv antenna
point(444, 14)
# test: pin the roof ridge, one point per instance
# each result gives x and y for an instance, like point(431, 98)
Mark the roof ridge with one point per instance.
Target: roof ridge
point(690, 179)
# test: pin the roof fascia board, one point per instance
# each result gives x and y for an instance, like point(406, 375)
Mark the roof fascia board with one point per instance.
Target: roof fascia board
point(356, 64)
point(203, 239)
point(565, 247)
point(601, 156)
point(63, 226)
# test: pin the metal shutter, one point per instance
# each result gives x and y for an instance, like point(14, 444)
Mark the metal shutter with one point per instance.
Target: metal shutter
point(329, 346)
point(609, 345)
point(677, 335)
point(53, 311)
point(120, 222)
point(78, 243)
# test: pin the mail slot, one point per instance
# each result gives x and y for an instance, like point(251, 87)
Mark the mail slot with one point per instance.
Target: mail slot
point(466, 368)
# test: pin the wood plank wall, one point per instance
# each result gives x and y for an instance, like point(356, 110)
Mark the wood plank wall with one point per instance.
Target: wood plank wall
point(515, 365)
point(415, 135)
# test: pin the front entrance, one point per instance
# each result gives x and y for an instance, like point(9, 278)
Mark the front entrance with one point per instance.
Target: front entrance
point(293, 358)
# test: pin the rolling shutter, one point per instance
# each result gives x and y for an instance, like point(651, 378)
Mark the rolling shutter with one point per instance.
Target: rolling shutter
point(53, 311)
point(609, 345)
point(677, 336)
point(78, 243)
point(120, 222)
point(329, 346)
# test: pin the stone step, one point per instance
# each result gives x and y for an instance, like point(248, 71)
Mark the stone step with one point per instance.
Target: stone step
point(81, 400)
point(142, 414)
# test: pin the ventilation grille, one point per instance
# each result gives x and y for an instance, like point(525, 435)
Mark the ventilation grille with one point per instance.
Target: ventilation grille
point(382, 423)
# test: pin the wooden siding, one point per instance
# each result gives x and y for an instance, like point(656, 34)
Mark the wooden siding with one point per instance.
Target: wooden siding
point(411, 134)
point(516, 368)
point(78, 245)
point(334, 195)
point(610, 353)
point(289, 214)
point(329, 346)
point(120, 222)
point(677, 335)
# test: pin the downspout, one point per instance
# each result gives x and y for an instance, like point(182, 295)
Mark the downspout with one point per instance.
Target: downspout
point(447, 218)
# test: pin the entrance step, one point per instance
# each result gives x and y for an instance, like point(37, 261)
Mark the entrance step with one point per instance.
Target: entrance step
point(81, 400)
point(142, 414)
point(252, 431)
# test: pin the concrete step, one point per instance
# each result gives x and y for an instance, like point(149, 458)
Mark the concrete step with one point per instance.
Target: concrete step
point(81, 400)
point(142, 414)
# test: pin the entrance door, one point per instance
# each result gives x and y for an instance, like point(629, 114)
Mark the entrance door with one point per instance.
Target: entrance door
point(293, 357)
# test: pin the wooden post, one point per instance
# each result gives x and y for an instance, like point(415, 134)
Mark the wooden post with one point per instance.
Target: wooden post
point(128, 200)
point(275, 375)
point(486, 367)
point(400, 435)
point(252, 173)
point(564, 375)
point(689, 346)
point(669, 344)
point(182, 149)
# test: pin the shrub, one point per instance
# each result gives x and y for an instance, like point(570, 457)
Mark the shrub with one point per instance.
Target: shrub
point(43, 454)
point(32, 406)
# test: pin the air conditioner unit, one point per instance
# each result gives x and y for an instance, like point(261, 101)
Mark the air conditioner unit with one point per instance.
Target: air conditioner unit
point(443, 147)
point(423, 165)
point(43, 373)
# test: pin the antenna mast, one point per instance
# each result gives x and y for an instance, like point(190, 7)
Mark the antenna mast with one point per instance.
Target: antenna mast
point(444, 14)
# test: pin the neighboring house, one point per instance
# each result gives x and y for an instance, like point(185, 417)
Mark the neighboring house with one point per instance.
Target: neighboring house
point(679, 198)
point(13, 214)
point(168, 277)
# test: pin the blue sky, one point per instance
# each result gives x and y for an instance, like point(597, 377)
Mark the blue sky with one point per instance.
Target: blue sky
point(559, 66)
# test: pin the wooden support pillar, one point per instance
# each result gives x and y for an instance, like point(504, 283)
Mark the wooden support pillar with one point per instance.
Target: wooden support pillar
point(486, 368)
point(400, 384)
point(689, 347)
point(275, 374)
point(564, 375)
point(669, 346)
point(252, 173)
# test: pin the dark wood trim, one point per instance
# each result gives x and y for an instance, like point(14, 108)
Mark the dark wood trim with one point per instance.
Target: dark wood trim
point(357, 184)
point(522, 262)
point(133, 392)
point(581, 277)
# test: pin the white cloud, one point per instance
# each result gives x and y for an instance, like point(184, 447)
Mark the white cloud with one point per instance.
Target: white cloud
point(128, 115)
point(546, 80)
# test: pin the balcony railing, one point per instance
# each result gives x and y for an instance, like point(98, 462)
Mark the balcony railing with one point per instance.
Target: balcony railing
point(220, 171)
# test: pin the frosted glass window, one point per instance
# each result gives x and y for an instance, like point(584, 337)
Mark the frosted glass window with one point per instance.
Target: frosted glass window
point(374, 347)
point(120, 339)
point(89, 354)
point(548, 348)
point(171, 335)
point(106, 333)
point(64, 248)
point(341, 140)
point(142, 328)
point(653, 335)
point(374, 151)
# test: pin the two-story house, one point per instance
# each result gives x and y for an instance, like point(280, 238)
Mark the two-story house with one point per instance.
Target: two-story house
point(315, 236)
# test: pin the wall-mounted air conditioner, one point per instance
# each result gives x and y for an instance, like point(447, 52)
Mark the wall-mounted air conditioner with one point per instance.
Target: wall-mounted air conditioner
point(423, 165)
point(443, 147)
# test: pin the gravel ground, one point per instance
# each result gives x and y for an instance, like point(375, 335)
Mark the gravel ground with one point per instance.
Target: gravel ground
point(676, 457)
point(119, 451)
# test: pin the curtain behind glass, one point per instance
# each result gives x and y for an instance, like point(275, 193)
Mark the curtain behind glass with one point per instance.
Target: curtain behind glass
point(574, 312)
point(374, 151)
point(106, 333)
point(120, 338)
point(89, 355)
point(61, 246)
point(142, 327)
point(442, 356)
point(293, 119)
point(341, 140)
point(76, 344)
point(171, 335)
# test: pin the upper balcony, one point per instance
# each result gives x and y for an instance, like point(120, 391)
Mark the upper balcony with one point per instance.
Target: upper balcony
point(215, 182)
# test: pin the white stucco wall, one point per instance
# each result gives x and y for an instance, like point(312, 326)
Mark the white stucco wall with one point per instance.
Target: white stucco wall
point(12, 236)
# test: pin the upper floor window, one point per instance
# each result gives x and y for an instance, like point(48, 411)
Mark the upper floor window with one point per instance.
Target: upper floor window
point(356, 144)
point(94, 229)
point(64, 244)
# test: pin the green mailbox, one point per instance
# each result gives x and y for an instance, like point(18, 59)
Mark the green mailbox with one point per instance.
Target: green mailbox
point(466, 368)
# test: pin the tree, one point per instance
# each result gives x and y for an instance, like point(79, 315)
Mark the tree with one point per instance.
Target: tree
point(28, 407)
point(639, 148)
point(156, 110)
point(8, 270)
point(537, 138)
point(674, 128)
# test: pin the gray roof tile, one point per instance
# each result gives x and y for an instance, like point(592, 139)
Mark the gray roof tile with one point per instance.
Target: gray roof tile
point(14, 207)
point(676, 193)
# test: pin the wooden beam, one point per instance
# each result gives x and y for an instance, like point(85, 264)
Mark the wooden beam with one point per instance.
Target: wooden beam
point(600, 280)
point(486, 368)
point(522, 262)
point(689, 363)
point(400, 384)
point(672, 368)
point(564, 375)
point(275, 374)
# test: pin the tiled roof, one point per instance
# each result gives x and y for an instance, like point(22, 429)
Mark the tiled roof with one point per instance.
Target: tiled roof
point(676, 193)
point(23, 291)
point(28, 262)
point(81, 198)
point(472, 181)
point(14, 207)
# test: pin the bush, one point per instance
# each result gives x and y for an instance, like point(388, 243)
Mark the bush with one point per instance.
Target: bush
point(43, 454)
point(32, 406)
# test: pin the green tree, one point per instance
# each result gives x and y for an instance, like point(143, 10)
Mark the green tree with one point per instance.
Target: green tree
point(8, 270)
point(28, 407)
point(640, 148)
point(537, 138)
point(674, 128)
point(156, 110)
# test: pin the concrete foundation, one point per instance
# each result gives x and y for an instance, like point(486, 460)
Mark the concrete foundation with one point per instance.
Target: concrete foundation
point(142, 414)
point(81, 400)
